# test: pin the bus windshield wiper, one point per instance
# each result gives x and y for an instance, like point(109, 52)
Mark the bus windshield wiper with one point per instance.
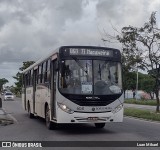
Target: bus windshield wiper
point(79, 64)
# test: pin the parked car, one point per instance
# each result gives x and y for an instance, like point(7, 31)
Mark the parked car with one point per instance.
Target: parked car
point(8, 96)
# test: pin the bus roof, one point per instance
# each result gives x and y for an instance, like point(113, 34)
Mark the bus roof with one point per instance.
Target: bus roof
point(56, 51)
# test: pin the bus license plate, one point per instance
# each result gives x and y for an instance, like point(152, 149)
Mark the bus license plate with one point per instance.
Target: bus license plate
point(92, 118)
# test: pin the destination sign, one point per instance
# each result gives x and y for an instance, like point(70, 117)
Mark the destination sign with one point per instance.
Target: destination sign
point(90, 52)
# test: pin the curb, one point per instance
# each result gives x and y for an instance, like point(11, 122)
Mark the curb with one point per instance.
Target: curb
point(142, 119)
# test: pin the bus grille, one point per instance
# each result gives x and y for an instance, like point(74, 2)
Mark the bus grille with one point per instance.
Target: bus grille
point(81, 100)
point(92, 102)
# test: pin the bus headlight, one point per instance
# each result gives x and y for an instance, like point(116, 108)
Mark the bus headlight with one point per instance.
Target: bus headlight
point(65, 108)
point(117, 109)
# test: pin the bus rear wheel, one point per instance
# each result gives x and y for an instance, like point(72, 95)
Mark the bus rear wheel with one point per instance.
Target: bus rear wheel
point(99, 125)
point(50, 125)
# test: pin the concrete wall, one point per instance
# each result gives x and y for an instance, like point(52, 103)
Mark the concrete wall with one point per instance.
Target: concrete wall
point(140, 94)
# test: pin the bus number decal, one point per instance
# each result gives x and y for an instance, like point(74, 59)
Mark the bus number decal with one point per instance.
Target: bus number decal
point(80, 108)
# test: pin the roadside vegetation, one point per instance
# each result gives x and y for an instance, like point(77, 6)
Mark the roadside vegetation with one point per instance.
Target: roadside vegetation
point(141, 102)
point(145, 114)
point(140, 51)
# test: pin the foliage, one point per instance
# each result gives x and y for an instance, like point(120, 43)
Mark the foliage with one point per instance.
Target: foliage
point(141, 102)
point(141, 49)
point(18, 76)
point(147, 84)
point(129, 62)
point(2, 82)
point(144, 44)
point(26, 65)
point(129, 80)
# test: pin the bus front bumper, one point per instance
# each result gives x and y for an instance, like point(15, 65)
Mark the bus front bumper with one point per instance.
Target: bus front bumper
point(80, 117)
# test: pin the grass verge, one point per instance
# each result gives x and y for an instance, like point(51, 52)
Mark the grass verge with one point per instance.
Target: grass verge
point(145, 114)
point(141, 102)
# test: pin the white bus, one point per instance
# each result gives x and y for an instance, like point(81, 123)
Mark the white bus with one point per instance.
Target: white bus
point(75, 84)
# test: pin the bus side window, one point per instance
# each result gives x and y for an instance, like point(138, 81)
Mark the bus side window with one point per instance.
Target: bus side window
point(45, 71)
point(26, 79)
point(48, 71)
point(31, 79)
point(55, 73)
point(39, 74)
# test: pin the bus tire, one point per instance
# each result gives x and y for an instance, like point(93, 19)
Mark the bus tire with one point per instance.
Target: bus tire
point(99, 125)
point(50, 125)
point(29, 111)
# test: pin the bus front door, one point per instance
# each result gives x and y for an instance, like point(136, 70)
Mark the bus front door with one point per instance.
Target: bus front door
point(34, 89)
point(53, 88)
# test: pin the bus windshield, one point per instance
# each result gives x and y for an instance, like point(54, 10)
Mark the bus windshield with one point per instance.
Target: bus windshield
point(90, 77)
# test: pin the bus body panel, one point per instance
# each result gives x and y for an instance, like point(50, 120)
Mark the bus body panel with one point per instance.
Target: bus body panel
point(81, 116)
point(29, 98)
point(77, 117)
point(38, 101)
point(23, 100)
point(42, 96)
point(89, 109)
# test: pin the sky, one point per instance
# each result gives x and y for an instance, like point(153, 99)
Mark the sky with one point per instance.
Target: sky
point(31, 29)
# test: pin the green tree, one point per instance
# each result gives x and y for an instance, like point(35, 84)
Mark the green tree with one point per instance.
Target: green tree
point(129, 81)
point(12, 89)
point(18, 76)
point(129, 60)
point(144, 43)
point(147, 83)
point(26, 65)
point(2, 82)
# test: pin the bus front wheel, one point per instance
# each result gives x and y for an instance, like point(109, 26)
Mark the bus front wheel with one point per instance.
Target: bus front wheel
point(50, 125)
point(99, 125)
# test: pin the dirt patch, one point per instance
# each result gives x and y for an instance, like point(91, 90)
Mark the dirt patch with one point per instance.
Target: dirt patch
point(5, 119)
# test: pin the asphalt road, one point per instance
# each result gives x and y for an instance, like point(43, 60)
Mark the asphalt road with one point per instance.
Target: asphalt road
point(25, 129)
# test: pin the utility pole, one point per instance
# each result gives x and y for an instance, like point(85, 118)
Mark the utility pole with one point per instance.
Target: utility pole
point(137, 83)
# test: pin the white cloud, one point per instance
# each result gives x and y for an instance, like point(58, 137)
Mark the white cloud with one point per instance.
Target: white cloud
point(31, 28)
